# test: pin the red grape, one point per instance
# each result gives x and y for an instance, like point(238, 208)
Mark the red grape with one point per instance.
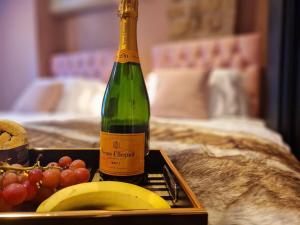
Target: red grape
point(35, 176)
point(17, 187)
point(77, 164)
point(43, 194)
point(22, 178)
point(82, 175)
point(9, 178)
point(67, 178)
point(53, 164)
point(65, 161)
point(51, 178)
point(14, 194)
point(31, 189)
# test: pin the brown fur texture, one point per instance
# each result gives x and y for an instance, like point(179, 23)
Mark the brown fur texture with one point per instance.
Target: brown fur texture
point(237, 190)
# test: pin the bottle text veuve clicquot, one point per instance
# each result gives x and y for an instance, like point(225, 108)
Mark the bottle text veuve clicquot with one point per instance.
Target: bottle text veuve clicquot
point(125, 109)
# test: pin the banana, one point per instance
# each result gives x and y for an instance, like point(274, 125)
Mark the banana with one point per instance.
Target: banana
point(11, 135)
point(104, 195)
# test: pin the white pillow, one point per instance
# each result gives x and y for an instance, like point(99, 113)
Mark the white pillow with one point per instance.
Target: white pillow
point(41, 96)
point(152, 84)
point(82, 96)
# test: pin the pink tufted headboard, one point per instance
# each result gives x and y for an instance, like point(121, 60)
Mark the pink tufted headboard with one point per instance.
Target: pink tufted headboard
point(238, 52)
point(91, 65)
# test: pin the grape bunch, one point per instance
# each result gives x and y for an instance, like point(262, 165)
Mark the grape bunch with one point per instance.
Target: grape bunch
point(34, 184)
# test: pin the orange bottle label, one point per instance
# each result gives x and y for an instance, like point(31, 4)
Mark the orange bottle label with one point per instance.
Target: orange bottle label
point(125, 56)
point(122, 154)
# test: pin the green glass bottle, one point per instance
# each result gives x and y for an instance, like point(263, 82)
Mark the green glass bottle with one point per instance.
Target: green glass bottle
point(125, 108)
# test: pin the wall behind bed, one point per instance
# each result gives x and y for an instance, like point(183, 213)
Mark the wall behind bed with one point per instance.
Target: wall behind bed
point(101, 25)
point(18, 50)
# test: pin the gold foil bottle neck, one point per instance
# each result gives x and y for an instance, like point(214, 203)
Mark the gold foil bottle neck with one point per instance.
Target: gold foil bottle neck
point(128, 8)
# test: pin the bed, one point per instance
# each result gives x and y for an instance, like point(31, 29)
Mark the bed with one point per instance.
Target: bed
point(241, 171)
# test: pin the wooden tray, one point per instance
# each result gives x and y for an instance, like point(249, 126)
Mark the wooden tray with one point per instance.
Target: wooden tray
point(163, 178)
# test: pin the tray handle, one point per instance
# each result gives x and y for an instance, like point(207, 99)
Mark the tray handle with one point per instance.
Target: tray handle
point(172, 186)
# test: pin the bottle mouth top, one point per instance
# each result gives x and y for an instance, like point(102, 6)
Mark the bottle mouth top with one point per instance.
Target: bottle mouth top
point(128, 8)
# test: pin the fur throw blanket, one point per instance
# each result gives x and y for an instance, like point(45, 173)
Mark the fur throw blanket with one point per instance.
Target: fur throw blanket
point(241, 172)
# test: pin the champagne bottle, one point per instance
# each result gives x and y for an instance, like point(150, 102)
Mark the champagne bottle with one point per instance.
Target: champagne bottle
point(125, 108)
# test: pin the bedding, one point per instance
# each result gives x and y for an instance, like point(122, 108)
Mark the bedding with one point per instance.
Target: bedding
point(41, 96)
point(181, 93)
point(75, 96)
point(242, 172)
point(81, 96)
point(197, 93)
point(226, 94)
point(240, 52)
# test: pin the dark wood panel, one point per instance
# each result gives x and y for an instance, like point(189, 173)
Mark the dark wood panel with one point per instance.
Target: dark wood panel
point(274, 67)
point(283, 112)
point(296, 135)
point(287, 80)
point(252, 16)
point(50, 33)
